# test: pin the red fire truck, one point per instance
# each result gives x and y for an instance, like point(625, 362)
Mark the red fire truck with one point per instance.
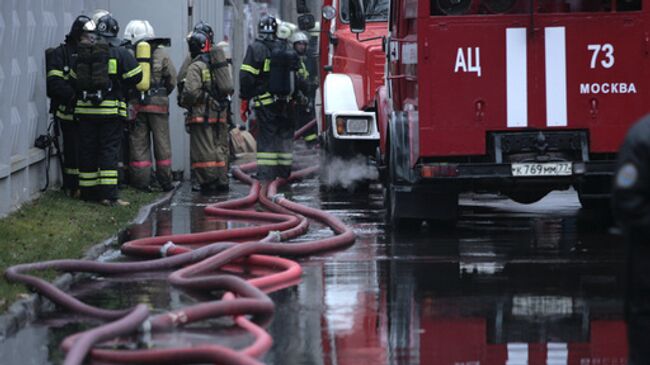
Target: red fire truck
point(519, 97)
point(354, 70)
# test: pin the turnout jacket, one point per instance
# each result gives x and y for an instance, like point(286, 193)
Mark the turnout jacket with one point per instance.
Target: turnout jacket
point(125, 72)
point(254, 73)
point(631, 192)
point(196, 97)
point(59, 63)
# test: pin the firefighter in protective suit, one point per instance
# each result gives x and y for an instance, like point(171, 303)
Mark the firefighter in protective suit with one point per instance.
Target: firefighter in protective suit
point(206, 29)
point(271, 99)
point(104, 71)
point(206, 118)
point(150, 105)
point(60, 88)
point(304, 107)
point(631, 203)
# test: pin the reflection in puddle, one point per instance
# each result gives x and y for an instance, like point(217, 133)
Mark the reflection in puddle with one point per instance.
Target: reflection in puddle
point(511, 285)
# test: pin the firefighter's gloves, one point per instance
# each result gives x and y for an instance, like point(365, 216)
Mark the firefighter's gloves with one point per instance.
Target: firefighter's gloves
point(243, 110)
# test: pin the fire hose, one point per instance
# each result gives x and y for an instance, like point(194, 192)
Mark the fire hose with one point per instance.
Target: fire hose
point(195, 258)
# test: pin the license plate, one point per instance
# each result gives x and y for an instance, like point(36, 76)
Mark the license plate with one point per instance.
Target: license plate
point(357, 126)
point(542, 169)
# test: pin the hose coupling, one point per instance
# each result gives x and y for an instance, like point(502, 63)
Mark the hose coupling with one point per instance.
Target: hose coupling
point(277, 197)
point(165, 248)
point(145, 338)
point(274, 236)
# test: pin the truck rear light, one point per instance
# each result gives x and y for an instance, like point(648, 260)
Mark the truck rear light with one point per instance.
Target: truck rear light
point(439, 170)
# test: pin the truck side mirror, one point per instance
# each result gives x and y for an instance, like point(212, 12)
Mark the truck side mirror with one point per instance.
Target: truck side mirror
point(357, 16)
point(306, 22)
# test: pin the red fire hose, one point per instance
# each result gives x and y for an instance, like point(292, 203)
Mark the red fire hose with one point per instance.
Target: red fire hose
point(195, 258)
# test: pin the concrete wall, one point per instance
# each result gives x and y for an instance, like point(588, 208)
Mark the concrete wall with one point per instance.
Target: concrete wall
point(27, 27)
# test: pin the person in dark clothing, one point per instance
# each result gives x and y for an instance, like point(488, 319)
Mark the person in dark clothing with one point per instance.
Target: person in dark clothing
point(104, 72)
point(260, 82)
point(631, 206)
point(307, 85)
point(60, 63)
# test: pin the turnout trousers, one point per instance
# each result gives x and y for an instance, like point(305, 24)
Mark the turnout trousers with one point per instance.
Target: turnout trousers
point(150, 127)
point(274, 141)
point(70, 133)
point(209, 152)
point(99, 149)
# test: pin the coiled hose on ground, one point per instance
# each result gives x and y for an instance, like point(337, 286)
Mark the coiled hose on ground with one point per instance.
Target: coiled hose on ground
point(195, 258)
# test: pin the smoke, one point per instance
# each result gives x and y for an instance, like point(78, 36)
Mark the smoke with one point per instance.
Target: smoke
point(347, 173)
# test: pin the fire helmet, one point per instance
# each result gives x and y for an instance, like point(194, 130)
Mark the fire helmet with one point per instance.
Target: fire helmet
point(198, 43)
point(299, 37)
point(97, 14)
point(205, 28)
point(138, 30)
point(267, 25)
point(107, 26)
point(80, 25)
point(286, 30)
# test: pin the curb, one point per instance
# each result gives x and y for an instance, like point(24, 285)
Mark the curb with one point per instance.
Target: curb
point(27, 310)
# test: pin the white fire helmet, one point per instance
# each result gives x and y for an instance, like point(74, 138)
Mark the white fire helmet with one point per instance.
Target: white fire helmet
point(285, 30)
point(226, 49)
point(98, 14)
point(299, 37)
point(138, 30)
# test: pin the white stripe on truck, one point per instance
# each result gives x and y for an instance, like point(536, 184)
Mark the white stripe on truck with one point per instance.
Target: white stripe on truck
point(556, 89)
point(516, 77)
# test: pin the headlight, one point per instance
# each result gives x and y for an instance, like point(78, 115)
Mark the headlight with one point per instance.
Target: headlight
point(329, 12)
point(352, 125)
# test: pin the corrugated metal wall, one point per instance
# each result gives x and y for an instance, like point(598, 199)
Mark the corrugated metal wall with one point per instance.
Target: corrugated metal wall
point(28, 27)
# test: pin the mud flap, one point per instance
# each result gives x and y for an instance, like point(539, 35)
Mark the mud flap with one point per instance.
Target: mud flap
point(422, 205)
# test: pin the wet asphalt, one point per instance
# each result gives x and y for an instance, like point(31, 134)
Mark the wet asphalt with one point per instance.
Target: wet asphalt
point(511, 284)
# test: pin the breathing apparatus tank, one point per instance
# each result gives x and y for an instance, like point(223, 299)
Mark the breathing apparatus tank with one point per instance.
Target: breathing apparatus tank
point(143, 54)
point(221, 69)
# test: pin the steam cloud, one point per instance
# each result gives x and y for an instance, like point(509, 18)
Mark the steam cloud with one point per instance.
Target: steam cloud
point(346, 173)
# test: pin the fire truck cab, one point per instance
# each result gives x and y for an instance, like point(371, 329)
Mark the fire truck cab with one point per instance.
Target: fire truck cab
point(354, 70)
point(519, 97)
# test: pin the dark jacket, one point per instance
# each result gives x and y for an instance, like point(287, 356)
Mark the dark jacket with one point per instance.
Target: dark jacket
point(254, 72)
point(125, 72)
point(631, 191)
point(59, 64)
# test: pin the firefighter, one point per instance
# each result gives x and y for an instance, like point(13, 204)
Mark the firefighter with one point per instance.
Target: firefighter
point(204, 27)
point(149, 104)
point(265, 85)
point(631, 203)
point(304, 102)
point(104, 70)
point(206, 119)
point(59, 64)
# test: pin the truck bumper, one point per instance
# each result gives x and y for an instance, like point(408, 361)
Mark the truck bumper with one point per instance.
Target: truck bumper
point(499, 177)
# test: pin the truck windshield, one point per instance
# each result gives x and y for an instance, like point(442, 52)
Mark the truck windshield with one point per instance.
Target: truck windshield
point(375, 10)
